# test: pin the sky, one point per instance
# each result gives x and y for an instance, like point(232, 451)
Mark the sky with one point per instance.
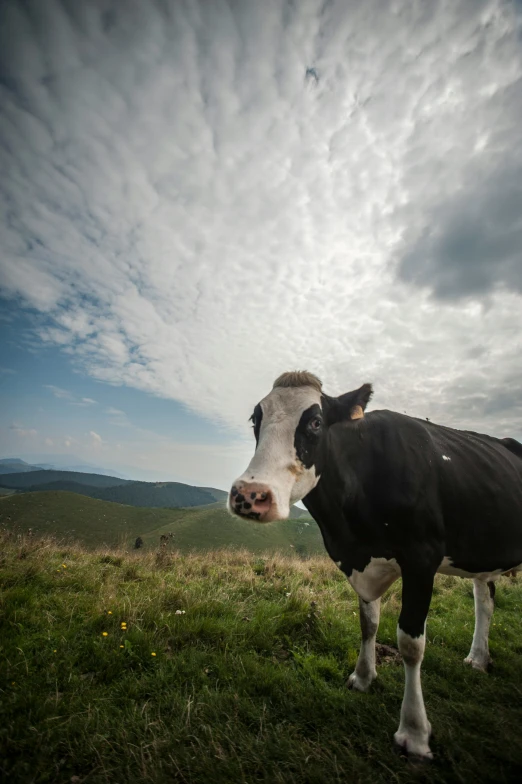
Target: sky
point(196, 197)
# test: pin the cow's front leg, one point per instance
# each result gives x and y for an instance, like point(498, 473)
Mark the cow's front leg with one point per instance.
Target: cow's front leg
point(483, 593)
point(365, 671)
point(414, 728)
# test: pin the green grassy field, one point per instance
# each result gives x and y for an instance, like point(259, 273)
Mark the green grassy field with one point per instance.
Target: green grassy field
point(6, 491)
point(229, 667)
point(97, 523)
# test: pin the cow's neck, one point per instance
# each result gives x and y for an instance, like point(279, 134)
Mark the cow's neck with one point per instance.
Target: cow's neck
point(336, 503)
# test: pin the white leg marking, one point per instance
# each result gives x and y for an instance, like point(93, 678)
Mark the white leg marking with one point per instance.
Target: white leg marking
point(365, 672)
point(414, 729)
point(479, 657)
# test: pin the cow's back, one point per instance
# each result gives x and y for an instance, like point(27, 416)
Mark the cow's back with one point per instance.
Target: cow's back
point(470, 483)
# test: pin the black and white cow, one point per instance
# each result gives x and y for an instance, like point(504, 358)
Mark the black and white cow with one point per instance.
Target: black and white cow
point(394, 496)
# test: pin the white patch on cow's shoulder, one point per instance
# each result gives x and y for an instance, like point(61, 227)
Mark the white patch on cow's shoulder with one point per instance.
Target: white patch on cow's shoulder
point(445, 457)
point(446, 567)
point(375, 578)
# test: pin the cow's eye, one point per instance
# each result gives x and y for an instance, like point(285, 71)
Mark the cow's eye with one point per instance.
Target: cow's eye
point(315, 424)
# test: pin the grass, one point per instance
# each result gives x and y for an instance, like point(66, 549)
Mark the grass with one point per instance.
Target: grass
point(6, 491)
point(102, 523)
point(232, 668)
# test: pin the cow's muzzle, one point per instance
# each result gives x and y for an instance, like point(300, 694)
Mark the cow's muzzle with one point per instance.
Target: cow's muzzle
point(252, 500)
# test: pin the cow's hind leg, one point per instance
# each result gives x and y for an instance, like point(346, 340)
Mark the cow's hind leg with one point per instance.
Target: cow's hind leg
point(365, 672)
point(483, 593)
point(414, 729)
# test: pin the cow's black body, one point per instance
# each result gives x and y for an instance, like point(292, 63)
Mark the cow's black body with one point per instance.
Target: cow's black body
point(401, 488)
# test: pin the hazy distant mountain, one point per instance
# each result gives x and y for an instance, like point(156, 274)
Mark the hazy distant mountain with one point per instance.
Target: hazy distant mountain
point(13, 465)
point(65, 462)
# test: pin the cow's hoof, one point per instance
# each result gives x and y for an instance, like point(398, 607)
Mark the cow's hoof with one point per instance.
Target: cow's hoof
point(414, 744)
point(360, 684)
point(483, 664)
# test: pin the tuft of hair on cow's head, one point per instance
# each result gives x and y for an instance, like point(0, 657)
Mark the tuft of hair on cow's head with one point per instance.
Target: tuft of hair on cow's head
point(298, 378)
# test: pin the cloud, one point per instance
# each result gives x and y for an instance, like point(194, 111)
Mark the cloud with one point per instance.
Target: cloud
point(192, 214)
point(64, 394)
point(472, 244)
point(95, 438)
point(117, 417)
point(114, 411)
point(23, 432)
point(58, 392)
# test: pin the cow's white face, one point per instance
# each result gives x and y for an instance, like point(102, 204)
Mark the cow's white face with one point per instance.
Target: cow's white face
point(288, 424)
point(291, 427)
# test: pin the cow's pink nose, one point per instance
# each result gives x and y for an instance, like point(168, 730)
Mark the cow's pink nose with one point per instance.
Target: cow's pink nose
point(251, 499)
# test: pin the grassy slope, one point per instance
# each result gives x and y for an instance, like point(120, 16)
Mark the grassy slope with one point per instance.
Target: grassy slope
point(248, 685)
point(211, 529)
point(5, 491)
point(96, 523)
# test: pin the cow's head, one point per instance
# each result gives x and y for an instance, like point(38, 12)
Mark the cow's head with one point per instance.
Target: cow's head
point(291, 427)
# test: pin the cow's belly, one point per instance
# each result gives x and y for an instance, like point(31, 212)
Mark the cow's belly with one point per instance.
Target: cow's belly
point(447, 567)
point(380, 573)
point(375, 578)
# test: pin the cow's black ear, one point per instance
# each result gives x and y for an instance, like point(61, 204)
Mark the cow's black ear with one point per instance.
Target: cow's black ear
point(350, 406)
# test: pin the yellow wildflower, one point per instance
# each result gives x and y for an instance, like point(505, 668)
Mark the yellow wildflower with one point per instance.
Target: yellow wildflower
point(105, 634)
point(109, 612)
point(122, 646)
point(153, 654)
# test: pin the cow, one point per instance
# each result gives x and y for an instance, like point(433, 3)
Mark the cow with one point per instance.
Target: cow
point(394, 496)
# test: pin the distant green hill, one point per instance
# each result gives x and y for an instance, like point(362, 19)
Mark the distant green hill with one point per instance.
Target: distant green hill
point(21, 481)
point(219, 495)
point(111, 488)
point(152, 494)
point(160, 494)
point(97, 523)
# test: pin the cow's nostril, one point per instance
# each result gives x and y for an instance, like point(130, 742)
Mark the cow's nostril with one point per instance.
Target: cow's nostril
point(263, 502)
